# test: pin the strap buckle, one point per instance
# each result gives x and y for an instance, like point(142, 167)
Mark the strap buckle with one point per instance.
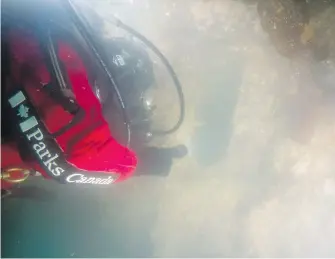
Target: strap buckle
point(7, 174)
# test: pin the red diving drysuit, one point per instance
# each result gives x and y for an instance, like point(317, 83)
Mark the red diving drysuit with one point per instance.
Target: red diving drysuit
point(85, 152)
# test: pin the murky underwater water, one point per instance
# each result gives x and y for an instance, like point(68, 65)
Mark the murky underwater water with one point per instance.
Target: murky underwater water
point(259, 179)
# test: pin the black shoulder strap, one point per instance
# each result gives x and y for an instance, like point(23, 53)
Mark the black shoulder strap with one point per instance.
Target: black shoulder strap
point(43, 145)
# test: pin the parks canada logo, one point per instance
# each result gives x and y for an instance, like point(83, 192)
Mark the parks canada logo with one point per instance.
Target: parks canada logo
point(31, 128)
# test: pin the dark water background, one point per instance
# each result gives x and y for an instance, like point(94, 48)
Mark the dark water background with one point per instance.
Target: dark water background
point(73, 223)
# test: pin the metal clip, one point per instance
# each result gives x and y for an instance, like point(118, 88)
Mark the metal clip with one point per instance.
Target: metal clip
point(6, 174)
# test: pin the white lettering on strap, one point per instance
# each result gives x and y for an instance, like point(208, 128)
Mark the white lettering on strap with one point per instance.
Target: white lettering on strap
point(30, 127)
point(80, 178)
point(37, 134)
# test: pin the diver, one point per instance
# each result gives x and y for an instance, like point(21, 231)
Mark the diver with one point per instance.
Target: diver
point(57, 93)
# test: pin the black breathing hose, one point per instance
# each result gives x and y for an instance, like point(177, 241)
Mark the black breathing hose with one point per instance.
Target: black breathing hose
point(171, 71)
point(80, 23)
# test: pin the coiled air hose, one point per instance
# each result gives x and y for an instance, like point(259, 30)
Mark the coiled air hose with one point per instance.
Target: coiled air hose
point(82, 25)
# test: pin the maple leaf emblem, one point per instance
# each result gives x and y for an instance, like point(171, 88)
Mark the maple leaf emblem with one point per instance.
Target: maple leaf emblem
point(23, 111)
